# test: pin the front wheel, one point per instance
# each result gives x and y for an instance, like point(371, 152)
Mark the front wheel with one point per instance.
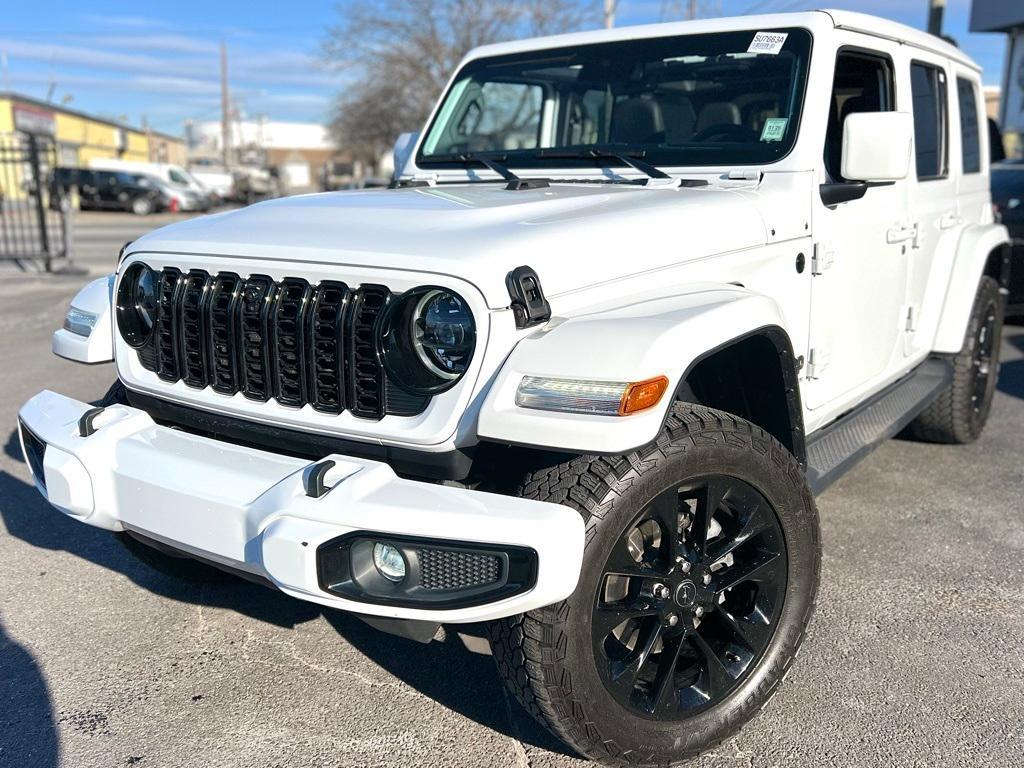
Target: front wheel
point(699, 578)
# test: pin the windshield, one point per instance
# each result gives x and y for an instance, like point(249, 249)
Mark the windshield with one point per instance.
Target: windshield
point(713, 99)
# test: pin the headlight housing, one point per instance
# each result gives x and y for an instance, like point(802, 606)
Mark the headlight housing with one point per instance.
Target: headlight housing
point(137, 304)
point(426, 340)
point(79, 322)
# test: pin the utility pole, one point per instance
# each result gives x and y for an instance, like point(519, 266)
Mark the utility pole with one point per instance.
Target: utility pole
point(225, 108)
point(609, 13)
point(936, 9)
point(691, 12)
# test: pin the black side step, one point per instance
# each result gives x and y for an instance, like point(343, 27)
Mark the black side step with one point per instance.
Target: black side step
point(833, 450)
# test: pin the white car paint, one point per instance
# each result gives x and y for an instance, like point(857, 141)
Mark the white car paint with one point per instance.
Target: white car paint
point(642, 281)
point(98, 346)
point(248, 509)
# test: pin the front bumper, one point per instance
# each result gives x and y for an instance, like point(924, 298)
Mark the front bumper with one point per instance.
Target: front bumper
point(249, 510)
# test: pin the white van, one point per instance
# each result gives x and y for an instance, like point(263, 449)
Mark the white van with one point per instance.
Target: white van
point(174, 175)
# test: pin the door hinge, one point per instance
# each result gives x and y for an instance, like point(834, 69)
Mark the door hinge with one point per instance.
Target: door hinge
point(817, 362)
point(822, 258)
point(910, 318)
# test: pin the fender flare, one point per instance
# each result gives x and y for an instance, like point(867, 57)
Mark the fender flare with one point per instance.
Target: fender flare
point(98, 346)
point(976, 244)
point(664, 336)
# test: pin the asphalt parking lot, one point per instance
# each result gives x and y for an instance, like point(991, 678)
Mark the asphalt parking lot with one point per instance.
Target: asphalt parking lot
point(915, 658)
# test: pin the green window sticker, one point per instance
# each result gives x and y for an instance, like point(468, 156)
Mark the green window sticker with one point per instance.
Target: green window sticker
point(774, 128)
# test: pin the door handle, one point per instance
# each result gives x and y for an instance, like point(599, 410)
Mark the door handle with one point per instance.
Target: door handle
point(900, 233)
point(948, 220)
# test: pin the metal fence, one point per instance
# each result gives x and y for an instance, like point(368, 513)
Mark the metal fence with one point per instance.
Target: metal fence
point(35, 217)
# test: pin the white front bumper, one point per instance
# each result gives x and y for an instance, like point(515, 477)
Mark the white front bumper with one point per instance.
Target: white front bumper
point(248, 509)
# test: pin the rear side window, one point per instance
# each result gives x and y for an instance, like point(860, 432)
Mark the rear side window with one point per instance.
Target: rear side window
point(931, 122)
point(969, 127)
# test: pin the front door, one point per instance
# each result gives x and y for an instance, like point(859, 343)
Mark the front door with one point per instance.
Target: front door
point(861, 249)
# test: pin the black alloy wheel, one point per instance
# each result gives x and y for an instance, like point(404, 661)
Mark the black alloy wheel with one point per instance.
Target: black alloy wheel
point(689, 597)
point(983, 360)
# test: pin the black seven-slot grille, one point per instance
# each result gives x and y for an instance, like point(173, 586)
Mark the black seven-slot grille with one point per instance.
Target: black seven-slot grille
point(295, 342)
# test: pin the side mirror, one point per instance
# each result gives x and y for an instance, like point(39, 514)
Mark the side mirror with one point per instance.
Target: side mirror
point(876, 146)
point(404, 145)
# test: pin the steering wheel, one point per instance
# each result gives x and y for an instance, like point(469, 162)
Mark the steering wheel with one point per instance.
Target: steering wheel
point(725, 132)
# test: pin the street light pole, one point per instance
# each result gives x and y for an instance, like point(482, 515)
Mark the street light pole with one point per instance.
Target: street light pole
point(225, 108)
point(609, 13)
point(936, 9)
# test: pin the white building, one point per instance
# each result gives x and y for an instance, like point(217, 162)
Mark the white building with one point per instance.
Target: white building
point(297, 150)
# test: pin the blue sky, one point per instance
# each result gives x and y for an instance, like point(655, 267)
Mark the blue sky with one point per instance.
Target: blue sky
point(160, 60)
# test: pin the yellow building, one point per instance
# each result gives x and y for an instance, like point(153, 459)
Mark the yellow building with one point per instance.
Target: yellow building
point(80, 138)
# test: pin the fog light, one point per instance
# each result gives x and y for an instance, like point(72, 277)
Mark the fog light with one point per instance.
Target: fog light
point(389, 561)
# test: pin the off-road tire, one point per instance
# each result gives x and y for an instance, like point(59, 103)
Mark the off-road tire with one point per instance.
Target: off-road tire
point(545, 655)
point(953, 417)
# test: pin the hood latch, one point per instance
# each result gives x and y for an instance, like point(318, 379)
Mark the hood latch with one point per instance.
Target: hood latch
point(528, 303)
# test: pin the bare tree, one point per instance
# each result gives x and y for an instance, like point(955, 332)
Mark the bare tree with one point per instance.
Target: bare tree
point(398, 54)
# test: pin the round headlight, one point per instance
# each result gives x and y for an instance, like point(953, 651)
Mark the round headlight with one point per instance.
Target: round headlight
point(427, 338)
point(137, 304)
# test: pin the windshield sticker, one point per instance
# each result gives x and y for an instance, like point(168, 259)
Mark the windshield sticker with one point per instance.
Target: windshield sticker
point(774, 128)
point(767, 42)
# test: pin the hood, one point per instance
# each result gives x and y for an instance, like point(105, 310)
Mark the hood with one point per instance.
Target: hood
point(573, 235)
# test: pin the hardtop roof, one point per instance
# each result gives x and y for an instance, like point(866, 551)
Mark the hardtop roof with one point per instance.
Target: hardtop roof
point(819, 20)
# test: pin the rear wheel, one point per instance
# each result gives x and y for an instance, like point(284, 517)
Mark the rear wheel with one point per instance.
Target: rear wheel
point(699, 577)
point(960, 413)
point(142, 206)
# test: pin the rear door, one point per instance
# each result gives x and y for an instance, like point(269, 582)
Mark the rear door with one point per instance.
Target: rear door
point(859, 263)
point(936, 212)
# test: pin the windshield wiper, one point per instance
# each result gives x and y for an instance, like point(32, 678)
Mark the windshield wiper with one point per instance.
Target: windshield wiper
point(469, 158)
point(599, 153)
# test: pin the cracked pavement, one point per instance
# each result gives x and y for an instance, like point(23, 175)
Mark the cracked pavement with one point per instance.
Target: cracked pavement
point(915, 657)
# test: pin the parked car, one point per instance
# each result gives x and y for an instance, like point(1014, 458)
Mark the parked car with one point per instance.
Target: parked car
point(338, 174)
point(1008, 199)
point(635, 298)
point(214, 177)
point(107, 190)
point(180, 198)
point(173, 175)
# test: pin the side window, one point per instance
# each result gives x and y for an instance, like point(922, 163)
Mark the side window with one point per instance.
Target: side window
point(863, 82)
point(969, 126)
point(931, 121)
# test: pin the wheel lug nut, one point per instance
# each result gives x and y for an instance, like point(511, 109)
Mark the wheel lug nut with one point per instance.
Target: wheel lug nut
point(698, 611)
point(660, 590)
point(706, 579)
point(671, 620)
point(684, 564)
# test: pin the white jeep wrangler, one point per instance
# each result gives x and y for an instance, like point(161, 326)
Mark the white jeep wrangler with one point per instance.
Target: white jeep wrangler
point(634, 297)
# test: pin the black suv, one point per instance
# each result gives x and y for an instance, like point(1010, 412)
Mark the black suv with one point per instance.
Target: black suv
point(1008, 199)
point(108, 190)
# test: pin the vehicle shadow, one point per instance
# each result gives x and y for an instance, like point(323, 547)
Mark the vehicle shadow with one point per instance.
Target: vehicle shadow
point(28, 735)
point(28, 517)
point(450, 674)
point(447, 672)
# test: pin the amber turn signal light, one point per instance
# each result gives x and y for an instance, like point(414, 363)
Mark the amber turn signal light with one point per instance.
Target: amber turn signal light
point(642, 395)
